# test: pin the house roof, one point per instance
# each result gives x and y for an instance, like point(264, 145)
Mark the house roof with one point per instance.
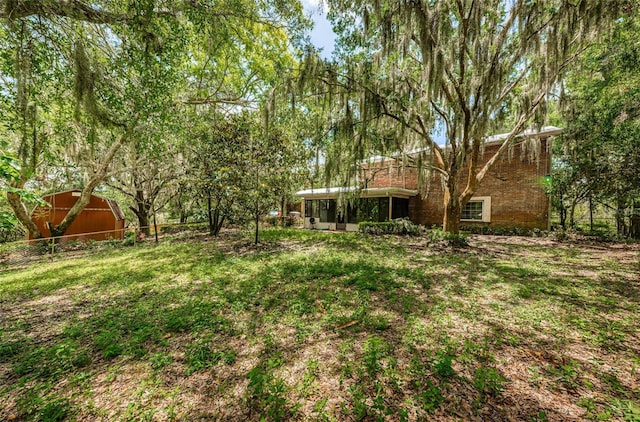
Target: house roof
point(329, 193)
point(544, 132)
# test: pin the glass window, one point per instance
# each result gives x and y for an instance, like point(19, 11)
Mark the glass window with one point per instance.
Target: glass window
point(308, 208)
point(352, 213)
point(327, 210)
point(322, 210)
point(472, 211)
point(368, 209)
point(400, 208)
point(331, 210)
point(383, 209)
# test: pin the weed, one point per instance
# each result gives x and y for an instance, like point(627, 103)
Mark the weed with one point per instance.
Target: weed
point(442, 365)
point(268, 393)
point(375, 349)
point(611, 380)
point(455, 240)
point(377, 322)
point(55, 410)
point(11, 349)
point(74, 331)
point(52, 361)
point(488, 381)
point(201, 355)
point(628, 410)
point(589, 405)
point(540, 417)
point(319, 410)
point(534, 375)
point(310, 375)
point(109, 343)
point(430, 396)
point(567, 373)
point(160, 360)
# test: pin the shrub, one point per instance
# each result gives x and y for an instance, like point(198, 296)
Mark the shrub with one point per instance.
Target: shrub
point(439, 235)
point(129, 238)
point(402, 226)
point(501, 230)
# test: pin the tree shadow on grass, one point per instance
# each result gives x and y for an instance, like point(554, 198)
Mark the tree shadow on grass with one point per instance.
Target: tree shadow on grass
point(267, 293)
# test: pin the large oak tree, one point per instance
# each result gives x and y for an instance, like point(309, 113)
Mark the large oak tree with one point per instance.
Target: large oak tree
point(118, 67)
point(466, 67)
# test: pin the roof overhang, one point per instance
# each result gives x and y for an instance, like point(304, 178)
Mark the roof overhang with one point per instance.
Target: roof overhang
point(545, 132)
point(331, 193)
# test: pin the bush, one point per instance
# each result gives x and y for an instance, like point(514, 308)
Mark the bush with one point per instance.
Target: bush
point(439, 235)
point(503, 230)
point(402, 226)
point(129, 238)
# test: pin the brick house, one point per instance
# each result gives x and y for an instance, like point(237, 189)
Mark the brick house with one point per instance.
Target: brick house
point(511, 194)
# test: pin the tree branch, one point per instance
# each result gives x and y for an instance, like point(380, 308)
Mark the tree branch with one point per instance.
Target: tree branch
point(73, 9)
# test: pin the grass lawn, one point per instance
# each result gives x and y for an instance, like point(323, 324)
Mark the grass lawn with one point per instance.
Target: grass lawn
point(321, 326)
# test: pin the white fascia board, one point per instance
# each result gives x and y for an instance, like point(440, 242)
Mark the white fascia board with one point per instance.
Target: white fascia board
point(544, 132)
point(331, 193)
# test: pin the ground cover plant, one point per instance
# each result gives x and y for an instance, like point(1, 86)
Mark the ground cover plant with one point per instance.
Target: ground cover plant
point(322, 326)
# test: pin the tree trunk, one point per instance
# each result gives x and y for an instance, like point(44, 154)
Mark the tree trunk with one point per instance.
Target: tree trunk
point(210, 213)
point(572, 212)
point(142, 212)
point(590, 214)
point(217, 223)
point(620, 223)
point(452, 211)
point(257, 210)
point(155, 226)
point(143, 221)
point(21, 213)
point(85, 196)
point(181, 208)
point(76, 209)
point(213, 229)
point(562, 211)
point(634, 225)
point(257, 221)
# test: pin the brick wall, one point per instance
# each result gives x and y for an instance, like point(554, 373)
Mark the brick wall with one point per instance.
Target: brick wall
point(514, 185)
point(390, 174)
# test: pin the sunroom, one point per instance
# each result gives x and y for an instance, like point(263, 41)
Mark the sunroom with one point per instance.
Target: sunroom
point(344, 208)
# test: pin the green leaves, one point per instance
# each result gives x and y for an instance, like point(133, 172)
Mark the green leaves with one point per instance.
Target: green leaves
point(601, 153)
point(9, 171)
point(77, 79)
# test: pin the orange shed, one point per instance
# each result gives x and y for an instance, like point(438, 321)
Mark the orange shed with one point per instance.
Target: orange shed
point(102, 219)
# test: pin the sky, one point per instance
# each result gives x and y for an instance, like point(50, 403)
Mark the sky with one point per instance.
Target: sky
point(322, 35)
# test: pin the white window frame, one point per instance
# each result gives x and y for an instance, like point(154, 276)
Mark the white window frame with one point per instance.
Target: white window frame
point(486, 208)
